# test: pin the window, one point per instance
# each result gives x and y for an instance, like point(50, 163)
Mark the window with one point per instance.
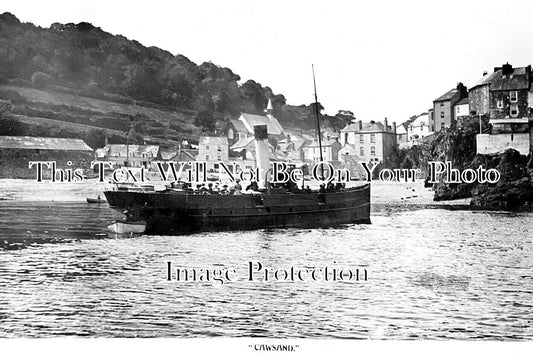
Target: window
point(372, 138)
point(207, 157)
point(499, 104)
point(219, 148)
point(514, 96)
point(362, 151)
point(346, 137)
point(219, 158)
point(441, 105)
point(216, 166)
point(442, 114)
point(207, 148)
point(514, 110)
point(373, 151)
point(362, 138)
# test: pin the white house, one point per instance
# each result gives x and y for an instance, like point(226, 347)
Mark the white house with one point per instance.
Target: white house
point(213, 150)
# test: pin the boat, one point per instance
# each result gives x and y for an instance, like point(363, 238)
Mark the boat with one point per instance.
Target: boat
point(127, 227)
point(176, 212)
point(96, 200)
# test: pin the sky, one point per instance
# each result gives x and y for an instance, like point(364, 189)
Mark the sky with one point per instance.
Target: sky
point(375, 58)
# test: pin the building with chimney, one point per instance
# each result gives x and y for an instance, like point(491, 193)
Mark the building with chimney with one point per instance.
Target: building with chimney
point(510, 102)
point(373, 141)
point(443, 106)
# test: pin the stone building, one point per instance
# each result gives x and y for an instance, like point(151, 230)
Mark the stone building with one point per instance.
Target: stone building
point(509, 109)
point(17, 151)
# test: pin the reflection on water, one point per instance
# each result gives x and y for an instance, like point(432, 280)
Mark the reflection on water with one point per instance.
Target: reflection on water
point(433, 274)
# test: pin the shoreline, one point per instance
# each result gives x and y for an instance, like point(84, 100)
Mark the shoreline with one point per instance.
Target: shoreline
point(27, 190)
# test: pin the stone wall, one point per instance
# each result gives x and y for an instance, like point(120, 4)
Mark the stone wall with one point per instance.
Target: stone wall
point(492, 144)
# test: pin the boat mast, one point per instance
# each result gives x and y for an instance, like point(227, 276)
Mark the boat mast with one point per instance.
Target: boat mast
point(317, 114)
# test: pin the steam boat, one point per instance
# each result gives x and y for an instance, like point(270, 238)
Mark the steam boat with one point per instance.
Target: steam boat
point(172, 212)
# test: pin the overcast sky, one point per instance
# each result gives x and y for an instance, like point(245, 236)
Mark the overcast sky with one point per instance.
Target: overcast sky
point(376, 58)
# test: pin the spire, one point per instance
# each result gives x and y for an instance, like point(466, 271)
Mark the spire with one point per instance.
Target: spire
point(269, 109)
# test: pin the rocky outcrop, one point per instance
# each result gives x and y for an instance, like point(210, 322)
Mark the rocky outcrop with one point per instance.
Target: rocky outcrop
point(514, 190)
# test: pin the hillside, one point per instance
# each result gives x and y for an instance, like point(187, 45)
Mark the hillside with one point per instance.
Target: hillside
point(80, 74)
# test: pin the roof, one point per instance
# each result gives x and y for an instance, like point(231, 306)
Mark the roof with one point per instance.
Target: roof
point(448, 96)
point(273, 125)
point(463, 101)
point(185, 154)
point(239, 126)
point(400, 130)
point(367, 127)
point(325, 143)
point(518, 79)
point(212, 140)
point(422, 119)
point(485, 80)
point(168, 154)
point(120, 150)
point(242, 143)
point(44, 143)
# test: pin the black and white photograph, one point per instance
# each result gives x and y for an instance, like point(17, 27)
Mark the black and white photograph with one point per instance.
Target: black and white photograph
point(246, 177)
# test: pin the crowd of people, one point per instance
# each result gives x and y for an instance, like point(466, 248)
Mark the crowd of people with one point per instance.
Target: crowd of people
point(251, 187)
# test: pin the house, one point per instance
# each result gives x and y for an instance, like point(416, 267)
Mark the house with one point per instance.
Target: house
point(129, 155)
point(461, 110)
point(509, 108)
point(443, 107)
point(213, 150)
point(330, 150)
point(479, 96)
point(293, 146)
point(401, 137)
point(418, 128)
point(243, 127)
point(17, 151)
point(374, 141)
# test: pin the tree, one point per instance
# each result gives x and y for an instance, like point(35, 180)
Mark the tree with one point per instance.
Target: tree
point(12, 127)
point(206, 120)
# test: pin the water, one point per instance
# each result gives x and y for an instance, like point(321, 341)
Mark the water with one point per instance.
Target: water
point(432, 274)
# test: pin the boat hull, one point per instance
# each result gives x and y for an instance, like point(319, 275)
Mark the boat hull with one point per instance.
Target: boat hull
point(122, 227)
point(95, 201)
point(175, 213)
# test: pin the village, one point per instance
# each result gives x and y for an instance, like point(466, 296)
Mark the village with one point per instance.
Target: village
point(504, 98)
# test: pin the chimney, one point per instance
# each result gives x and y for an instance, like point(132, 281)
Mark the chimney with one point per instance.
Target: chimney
point(507, 69)
point(288, 138)
point(386, 123)
point(262, 154)
point(360, 123)
point(394, 126)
